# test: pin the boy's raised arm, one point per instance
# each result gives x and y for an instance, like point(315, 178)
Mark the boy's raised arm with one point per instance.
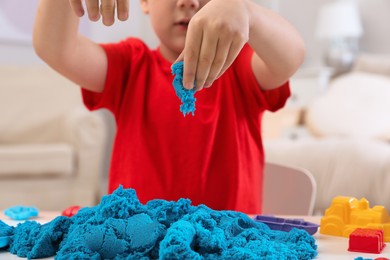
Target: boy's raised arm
point(279, 48)
point(57, 42)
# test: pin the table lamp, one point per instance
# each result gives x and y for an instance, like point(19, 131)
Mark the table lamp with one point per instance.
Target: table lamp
point(339, 24)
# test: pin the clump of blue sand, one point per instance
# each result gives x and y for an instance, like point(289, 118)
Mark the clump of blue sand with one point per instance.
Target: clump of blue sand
point(186, 95)
point(120, 227)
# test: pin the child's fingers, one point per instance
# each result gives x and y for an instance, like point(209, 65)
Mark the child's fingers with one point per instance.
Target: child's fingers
point(215, 56)
point(93, 9)
point(233, 52)
point(221, 56)
point(191, 55)
point(123, 9)
point(207, 54)
point(77, 7)
point(107, 10)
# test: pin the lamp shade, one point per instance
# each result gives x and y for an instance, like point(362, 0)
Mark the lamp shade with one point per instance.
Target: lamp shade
point(339, 19)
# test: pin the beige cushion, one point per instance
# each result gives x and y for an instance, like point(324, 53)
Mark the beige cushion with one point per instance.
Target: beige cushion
point(51, 146)
point(356, 105)
point(33, 96)
point(36, 160)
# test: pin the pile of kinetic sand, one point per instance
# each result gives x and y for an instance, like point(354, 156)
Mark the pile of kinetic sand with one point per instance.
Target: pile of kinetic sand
point(186, 95)
point(120, 227)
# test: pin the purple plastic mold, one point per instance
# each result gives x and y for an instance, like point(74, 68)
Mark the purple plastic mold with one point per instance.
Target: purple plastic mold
point(284, 224)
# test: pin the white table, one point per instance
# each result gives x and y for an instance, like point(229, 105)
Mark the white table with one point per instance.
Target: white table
point(329, 247)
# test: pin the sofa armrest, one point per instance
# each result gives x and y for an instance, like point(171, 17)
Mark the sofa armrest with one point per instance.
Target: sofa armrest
point(81, 128)
point(87, 133)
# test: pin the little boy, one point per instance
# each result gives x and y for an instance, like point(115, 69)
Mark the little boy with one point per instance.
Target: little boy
point(241, 53)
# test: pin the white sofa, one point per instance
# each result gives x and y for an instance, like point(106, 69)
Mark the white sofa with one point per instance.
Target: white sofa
point(51, 147)
point(342, 137)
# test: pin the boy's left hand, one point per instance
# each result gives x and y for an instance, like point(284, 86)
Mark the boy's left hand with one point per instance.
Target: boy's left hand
point(215, 36)
point(102, 8)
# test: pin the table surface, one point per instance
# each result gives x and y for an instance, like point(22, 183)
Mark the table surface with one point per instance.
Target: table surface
point(329, 247)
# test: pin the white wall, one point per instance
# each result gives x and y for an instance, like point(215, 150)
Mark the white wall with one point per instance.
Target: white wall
point(15, 31)
point(301, 13)
point(17, 19)
point(376, 23)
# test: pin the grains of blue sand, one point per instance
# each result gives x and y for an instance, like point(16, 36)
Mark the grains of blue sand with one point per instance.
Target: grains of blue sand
point(120, 227)
point(186, 95)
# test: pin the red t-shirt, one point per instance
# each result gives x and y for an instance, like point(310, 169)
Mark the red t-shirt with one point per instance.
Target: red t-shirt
point(215, 157)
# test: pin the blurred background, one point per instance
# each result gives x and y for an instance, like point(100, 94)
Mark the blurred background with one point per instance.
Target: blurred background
point(54, 154)
point(17, 17)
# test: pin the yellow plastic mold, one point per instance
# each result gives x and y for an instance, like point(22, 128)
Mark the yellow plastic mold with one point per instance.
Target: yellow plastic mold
point(345, 214)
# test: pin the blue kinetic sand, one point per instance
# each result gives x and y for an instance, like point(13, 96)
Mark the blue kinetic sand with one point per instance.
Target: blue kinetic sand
point(21, 212)
point(284, 224)
point(120, 227)
point(4, 241)
point(6, 233)
point(186, 95)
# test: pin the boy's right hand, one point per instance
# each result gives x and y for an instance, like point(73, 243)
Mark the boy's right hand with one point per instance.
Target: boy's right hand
point(104, 8)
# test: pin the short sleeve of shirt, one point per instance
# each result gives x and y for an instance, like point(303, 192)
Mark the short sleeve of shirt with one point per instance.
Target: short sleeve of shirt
point(271, 100)
point(120, 57)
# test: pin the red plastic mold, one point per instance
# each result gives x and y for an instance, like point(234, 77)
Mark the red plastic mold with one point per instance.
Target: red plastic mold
point(366, 240)
point(71, 211)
